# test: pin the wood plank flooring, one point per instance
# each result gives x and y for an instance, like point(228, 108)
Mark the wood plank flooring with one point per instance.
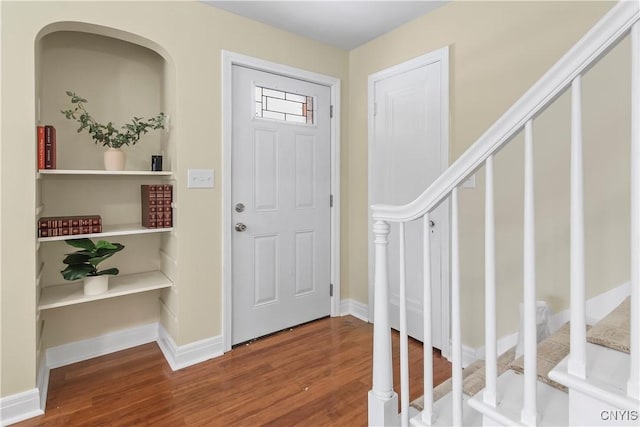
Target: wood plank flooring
point(316, 374)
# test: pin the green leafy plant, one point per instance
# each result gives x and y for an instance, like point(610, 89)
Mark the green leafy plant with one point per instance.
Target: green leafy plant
point(85, 262)
point(108, 135)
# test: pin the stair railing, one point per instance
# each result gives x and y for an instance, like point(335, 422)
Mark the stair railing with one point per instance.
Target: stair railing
point(621, 20)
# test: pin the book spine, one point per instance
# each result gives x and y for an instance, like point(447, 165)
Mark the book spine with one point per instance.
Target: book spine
point(54, 157)
point(49, 147)
point(69, 231)
point(148, 194)
point(69, 222)
point(40, 140)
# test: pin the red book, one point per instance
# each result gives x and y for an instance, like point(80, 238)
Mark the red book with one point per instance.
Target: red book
point(54, 149)
point(156, 205)
point(40, 147)
point(49, 147)
point(148, 194)
point(69, 221)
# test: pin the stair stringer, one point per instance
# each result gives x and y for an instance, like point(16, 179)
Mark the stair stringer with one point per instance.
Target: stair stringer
point(601, 398)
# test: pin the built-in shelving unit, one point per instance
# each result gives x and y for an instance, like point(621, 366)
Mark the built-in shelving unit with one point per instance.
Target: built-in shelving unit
point(85, 62)
point(110, 230)
point(72, 293)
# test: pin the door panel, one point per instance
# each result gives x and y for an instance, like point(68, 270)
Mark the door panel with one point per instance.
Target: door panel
point(266, 170)
point(281, 174)
point(265, 250)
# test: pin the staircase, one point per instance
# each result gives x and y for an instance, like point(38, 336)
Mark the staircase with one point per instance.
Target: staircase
point(598, 385)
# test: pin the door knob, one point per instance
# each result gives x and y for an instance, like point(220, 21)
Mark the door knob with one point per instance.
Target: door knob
point(240, 227)
point(431, 223)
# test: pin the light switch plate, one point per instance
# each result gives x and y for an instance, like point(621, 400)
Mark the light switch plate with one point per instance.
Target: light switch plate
point(200, 178)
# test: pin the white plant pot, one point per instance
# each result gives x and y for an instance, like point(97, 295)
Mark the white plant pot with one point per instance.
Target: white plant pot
point(96, 285)
point(114, 159)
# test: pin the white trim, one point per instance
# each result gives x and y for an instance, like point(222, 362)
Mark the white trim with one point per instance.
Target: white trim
point(20, 406)
point(180, 357)
point(228, 60)
point(42, 382)
point(355, 309)
point(441, 55)
point(99, 346)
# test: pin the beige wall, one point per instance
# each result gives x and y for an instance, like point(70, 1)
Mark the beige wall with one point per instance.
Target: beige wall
point(497, 51)
point(192, 35)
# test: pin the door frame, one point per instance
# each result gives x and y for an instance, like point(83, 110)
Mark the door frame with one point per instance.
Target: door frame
point(229, 59)
point(440, 55)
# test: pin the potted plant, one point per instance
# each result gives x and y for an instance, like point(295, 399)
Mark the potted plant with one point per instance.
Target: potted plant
point(83, 264)
point(108, 135)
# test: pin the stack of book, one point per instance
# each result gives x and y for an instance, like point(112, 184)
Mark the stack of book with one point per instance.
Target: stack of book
point(69, 225)
point(156, 205)
point(46, 147)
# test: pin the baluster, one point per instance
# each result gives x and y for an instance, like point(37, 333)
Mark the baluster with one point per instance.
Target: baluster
point(427, 413)
point(383, 401)
point(633, 388)
point(404, 338)
point(578, 340)
point(456, 338)
point(529, 416)
point(491, 357)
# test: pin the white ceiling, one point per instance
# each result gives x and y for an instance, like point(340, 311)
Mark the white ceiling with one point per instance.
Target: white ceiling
point(345, 24)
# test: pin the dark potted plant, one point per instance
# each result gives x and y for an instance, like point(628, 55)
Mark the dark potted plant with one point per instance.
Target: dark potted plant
point(83, 264)
point(108, 135)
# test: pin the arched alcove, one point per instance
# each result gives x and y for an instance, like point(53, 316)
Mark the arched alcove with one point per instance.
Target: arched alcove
point(122, 75)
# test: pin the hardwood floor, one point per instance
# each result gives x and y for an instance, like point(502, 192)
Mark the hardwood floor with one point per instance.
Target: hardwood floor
point(313, 375)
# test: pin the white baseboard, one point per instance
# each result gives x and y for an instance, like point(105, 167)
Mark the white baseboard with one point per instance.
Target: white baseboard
point(78, 351)
point(19, 407)
point(180, 357)
point(355, 309)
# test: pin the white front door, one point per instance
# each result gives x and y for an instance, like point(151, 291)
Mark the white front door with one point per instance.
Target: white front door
point(280, 191)
point(407, 153)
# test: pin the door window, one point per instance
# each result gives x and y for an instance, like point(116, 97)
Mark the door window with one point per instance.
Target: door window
point(280, 105)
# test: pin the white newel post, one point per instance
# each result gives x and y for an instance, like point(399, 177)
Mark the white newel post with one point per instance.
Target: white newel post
point(383, 401)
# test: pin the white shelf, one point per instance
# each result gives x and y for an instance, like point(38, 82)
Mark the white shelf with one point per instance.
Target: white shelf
point(63, 172)
point(110, 230)
point(72, 293)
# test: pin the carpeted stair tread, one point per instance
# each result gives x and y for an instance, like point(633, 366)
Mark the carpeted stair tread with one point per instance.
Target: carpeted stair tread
point(473, 379)
point(550, 352)
point(613, 331)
